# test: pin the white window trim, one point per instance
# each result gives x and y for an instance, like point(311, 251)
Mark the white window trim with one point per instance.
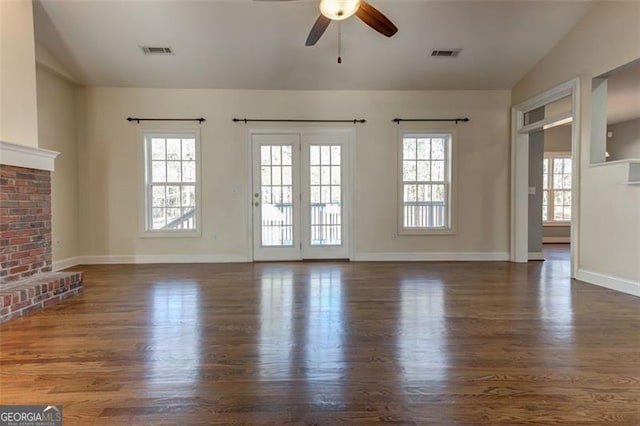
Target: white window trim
point(451, 187)
point(145, 232)
point(550, 223)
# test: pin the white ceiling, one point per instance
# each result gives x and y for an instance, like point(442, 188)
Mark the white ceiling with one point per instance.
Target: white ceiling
point(244, 44)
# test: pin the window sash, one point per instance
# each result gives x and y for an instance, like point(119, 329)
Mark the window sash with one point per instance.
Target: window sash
point(427, 214)
point(180, 209)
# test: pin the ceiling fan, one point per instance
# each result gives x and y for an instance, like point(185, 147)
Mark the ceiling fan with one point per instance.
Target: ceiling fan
point(338, 10)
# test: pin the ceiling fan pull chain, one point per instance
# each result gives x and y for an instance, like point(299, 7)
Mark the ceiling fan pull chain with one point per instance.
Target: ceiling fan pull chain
point(339, 43)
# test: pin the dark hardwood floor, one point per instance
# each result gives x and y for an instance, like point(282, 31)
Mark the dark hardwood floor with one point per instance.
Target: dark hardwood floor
point(325, 343)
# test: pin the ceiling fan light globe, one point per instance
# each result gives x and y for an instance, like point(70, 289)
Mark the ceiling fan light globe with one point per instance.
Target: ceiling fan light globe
point(338, 10)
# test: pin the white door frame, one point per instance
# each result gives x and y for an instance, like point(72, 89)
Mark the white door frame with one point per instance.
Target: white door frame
point(519, 250)
point(347, 195)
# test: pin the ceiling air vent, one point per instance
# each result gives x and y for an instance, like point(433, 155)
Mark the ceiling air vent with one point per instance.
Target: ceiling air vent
point(155, 50)
point(445, 53)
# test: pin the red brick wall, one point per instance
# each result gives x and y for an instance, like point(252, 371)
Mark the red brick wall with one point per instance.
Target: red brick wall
point(25, 222)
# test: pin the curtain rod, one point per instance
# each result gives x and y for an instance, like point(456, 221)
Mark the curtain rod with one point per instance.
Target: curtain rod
point(246, 120)
point(199, 120)
point(398, 120)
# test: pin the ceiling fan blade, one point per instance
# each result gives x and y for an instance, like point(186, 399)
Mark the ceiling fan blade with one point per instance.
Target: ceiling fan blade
point(317, 30)
point(375, 19)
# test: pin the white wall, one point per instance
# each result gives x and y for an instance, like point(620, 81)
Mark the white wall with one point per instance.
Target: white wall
point(18, 104)
point(110, 168)
point(609, 229)
point(625, 141)
point(57, 130)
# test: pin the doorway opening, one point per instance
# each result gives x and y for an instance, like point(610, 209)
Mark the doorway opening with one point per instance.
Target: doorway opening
point(545, 196)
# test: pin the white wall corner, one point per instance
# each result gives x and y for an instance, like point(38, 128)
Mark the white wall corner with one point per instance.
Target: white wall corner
point(12, 154)
point(614, 283)
point(431, 257)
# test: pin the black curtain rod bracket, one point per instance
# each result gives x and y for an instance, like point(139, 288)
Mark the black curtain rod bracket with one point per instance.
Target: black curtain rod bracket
point(456, 120)
point(138, 120)
point(269, 120)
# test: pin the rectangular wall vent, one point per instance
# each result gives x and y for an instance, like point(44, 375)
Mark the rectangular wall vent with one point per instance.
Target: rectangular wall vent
point(446, 53)
point(155, 50)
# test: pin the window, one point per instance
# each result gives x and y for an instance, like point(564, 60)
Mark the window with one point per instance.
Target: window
point(171, 183)
point(425, 182)
point(556, 188)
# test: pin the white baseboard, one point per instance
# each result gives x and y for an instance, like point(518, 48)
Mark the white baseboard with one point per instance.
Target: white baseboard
point(66, 263)
point(536, 255)
point(163, 258)
point(608, 281)
point(556, 240)
point(430, 256)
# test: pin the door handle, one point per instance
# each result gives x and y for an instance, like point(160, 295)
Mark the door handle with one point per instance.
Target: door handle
point(256, 204)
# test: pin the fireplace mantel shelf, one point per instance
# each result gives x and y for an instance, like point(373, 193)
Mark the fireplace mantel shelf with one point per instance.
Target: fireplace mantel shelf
point(12, 154)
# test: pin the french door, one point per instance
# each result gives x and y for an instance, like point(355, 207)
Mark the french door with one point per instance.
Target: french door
point(300, 208)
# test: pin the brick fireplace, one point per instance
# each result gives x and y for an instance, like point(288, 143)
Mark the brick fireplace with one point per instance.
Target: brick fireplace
point(27, 282)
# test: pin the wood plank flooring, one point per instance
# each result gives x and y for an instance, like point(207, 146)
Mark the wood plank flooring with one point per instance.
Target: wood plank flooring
point(330, 342)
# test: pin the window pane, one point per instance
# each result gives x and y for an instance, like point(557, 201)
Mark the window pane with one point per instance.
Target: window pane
point(157, 149)
point(265, 155)
point(314, 154)
point(287, 194)
point(173, 149)
point(189, 149)
point(174, 171)
point(158, 219)
point(422, 193)
point(424, 171)
point(557, 181)
point(409, 171)
point(173, 196)
point(265, 173)
point(437, 172)
point(189, 196)
point(325, 154)
point(410, 193)
point(276, 175)
point(336, 153)
point(287, 175)
point(315, 175)
point(325, 194)
point(557, 165)
point(286, 155)
point(438, 193)
point(566, 181)
point(335, 175)
point(437, 149)
point(325, 175)
point(557, 198)
point(189, 171)
point(545, 205)
point(315, 194)
point(158, 171)
point(335, 195)
point(276, 158)
point(423, 149)
point(158, 196)
point(409, 149)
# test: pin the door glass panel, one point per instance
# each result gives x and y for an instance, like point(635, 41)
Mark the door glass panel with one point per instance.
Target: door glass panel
point(325, 189)
point(276, 189)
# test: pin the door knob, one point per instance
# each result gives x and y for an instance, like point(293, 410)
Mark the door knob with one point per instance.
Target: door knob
point(256, 204)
